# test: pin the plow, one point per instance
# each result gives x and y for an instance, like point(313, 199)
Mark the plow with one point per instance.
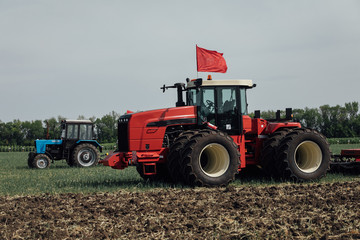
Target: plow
point(348, 160)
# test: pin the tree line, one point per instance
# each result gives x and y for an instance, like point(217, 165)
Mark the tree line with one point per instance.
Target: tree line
point(23, 133)
point(332, 121)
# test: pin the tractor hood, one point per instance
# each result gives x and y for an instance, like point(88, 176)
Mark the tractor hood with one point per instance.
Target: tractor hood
point(146, 130)
point(164, 117)
point(41, 144)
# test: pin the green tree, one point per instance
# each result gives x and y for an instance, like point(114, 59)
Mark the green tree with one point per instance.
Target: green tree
point(312, 118)
point(32, 130)
point(11, 133)
point(53, 126)
point(352, 111)
point(106, 127)
point(2, 134)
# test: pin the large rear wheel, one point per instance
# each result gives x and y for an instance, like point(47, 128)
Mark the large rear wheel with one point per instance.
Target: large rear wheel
point(85, 155)
point(210, 158)
point(303, 155)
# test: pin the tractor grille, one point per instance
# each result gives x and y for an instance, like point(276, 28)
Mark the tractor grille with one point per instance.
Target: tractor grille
point(123, 133)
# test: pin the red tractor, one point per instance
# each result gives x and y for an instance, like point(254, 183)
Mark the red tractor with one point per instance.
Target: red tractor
point(211, 137)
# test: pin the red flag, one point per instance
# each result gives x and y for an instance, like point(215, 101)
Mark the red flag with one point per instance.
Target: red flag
point(210, 61)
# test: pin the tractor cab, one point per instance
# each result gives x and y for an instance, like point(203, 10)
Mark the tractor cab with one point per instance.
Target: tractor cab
point(219, 102)
point(75, 130)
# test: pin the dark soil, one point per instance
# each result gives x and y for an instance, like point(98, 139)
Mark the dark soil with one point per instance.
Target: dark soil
point(293, 211)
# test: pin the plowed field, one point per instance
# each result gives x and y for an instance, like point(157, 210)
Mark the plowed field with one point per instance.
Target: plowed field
point(290, 211)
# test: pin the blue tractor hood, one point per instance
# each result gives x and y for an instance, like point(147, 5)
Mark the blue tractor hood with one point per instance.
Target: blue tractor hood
point(41, 144)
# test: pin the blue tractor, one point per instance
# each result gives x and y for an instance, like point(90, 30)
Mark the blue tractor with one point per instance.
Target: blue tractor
point(78, 146)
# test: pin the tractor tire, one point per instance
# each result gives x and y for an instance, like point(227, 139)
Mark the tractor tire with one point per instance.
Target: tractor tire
point(174, 158)
point(41, 161)
point(85, 155)
point(210, 158)
point(303, 155)
point(31, 159)
point(268, 160)
point(161, 175)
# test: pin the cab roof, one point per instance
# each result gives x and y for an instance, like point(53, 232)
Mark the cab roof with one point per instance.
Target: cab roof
point(234, 82)
point(76, 121)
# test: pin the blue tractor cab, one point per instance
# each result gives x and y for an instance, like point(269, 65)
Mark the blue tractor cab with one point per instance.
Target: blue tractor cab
point(77, 145)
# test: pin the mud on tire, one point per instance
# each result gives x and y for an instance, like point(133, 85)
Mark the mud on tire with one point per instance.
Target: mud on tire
point(303, 155)
point(210, 158)
point(85, 155)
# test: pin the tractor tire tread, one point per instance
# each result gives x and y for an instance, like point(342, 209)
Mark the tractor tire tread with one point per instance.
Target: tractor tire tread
point(76, 163)
point(190, 175)
point(174, 157)
point(268, 160)
point(285, 155)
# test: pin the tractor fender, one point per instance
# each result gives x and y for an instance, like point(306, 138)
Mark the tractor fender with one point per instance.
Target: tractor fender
point(32, 155)
point(273, 127)
point(93, 142)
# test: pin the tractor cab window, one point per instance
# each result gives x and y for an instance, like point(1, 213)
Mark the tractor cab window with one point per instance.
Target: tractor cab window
point(72, 131)
point(220, 105)
point(243, 101)
point(63, 131)
point(204, 98)
point(85, 131)
point(62, 136)
point(207, 105)
point(227, 118)
point(95, 132)
point(193, 97)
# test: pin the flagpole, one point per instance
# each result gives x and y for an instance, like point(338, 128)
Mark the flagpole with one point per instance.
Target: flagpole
point(197, 73)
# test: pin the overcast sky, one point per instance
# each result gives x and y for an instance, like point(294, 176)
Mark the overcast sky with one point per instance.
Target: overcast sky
point(89, 58)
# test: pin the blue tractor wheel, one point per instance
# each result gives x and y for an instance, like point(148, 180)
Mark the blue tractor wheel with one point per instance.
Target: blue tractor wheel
point(85, 155)
point(41, 161)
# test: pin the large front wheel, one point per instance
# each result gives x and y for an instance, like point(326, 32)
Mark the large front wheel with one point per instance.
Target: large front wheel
point(41, 161)
point(210, 158)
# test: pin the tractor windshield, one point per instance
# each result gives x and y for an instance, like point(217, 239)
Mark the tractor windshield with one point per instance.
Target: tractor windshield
point(193, 97)
point(219, 105)
point(72, 131)
point(62, 136)
point(205, 99)
point(86, 131)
